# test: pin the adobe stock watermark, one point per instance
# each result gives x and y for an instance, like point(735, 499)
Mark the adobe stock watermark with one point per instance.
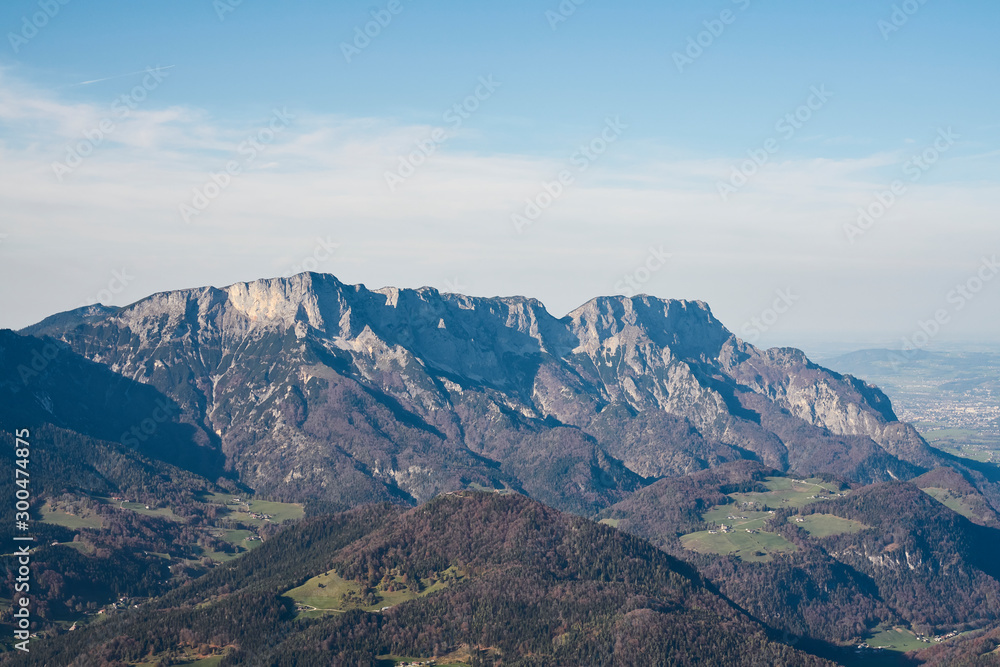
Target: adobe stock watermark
point(322, 252)
point(455, 286)
point(581, 161)
point(631, 283)
point(247, 151)
point(562, 13)
point(704, 40)
point(121, 108)
point(363, 35)
point(787, 126)
point(144, 430)
point(33, 24)
point(224, 7)
point(120, 280)
point(752, 330)
point(39, 361)
point(900, 16)
point(21, 603)
point(455, 117)
point(957, 299)
point(913, 169)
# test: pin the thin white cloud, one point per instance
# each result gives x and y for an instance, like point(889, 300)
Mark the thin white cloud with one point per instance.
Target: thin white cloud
point(120, 76)
point(324, 176)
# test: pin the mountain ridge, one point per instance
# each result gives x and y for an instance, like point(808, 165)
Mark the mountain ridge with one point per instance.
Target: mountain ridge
point(444, 389)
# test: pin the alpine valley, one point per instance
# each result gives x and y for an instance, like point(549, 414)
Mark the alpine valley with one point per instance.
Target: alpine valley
point(297, 471)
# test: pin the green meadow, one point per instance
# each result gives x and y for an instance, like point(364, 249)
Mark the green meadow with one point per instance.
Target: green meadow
point(754, 547)
point(825, 525)
point(746, 517)
point(326, 592)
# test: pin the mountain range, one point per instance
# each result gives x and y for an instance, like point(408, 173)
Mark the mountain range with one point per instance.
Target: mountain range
point(308, 387)
point(646, 414)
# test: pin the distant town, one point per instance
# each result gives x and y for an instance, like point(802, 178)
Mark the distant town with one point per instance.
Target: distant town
point(960, 412)
point(953, 398)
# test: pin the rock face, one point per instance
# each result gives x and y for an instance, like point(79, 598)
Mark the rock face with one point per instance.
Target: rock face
point(314, 388)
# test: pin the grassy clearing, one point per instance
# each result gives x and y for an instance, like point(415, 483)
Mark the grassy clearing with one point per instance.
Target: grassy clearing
point(897, 639)
point(278, 512)
point(952, 501)
point(238, 538)
point(328, 592)
point(163, 512)
point(754, 547)
point(324, 592)
point(787, 492)
point(610, 522)
point(825, 525)
point(217, 498)
point(85, 548)
point(87, 519)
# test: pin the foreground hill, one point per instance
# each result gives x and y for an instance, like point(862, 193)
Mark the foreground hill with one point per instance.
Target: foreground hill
point(488, 579)
point(307, 386)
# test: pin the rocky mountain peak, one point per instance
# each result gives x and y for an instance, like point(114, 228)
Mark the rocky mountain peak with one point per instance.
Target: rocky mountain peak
point(687, 329)
point(282, 301)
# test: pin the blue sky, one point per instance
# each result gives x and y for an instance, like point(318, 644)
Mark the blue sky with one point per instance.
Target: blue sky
point(893, 93)
point(605, 58)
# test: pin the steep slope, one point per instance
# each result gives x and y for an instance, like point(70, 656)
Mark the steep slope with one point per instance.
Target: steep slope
point(313, 386)
point(933, 566)
point(43, 382)
point(956, 488)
